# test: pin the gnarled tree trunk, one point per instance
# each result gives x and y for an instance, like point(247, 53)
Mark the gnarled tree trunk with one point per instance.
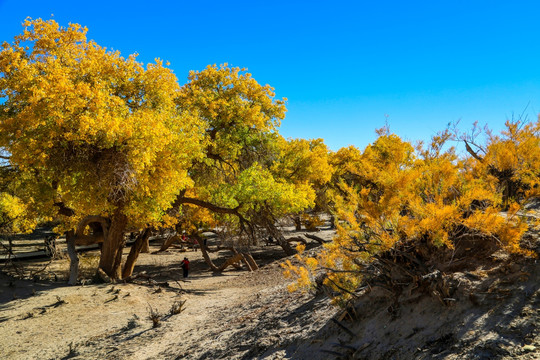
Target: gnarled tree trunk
point(169, 241)
point(253, 265)
point(136, 248)
point(206, 257)
point(99, 227)
point(111, 252)
point(316, 238)
point(231, 261)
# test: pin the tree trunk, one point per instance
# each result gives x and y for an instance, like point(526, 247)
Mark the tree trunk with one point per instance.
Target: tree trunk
point(246, 263)
point(96, 223)
point(206, 257)
point(237, 257)
point(73, 258)
point(136, 248)
point(231, 261)
point(298, 239)
point(253, 265)
point(285, 245)
point(276, 234)
point(298, 222)
point(113, 243)
point(316, 238)
point(117, 267)
point(168, 242)
point(146, 245)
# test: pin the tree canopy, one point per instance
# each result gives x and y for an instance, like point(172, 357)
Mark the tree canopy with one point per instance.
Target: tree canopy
point(420, 202)
point(249, 175)
point(95, 132)
point(103, 140)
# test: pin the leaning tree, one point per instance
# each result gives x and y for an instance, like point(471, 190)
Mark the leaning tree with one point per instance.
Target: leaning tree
point(249, 176)
point(97, 135)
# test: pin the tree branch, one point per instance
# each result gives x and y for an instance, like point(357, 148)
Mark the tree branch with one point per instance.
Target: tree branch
point(205, 204)
point(63, 209)
point(472, 152)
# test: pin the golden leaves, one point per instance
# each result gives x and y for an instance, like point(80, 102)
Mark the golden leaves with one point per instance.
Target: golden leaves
point(94, 122)
point(391, 194)
point(14, 215)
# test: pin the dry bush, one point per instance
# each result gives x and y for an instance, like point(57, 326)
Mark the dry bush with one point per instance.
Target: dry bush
point(177, 307)
point(88, 264)
point(404, 212)
point(154, 316)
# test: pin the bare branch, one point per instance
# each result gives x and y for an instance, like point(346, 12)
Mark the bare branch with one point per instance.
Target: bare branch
point(472, 152)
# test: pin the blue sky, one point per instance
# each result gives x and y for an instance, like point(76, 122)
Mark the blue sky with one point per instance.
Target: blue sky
point(345, 66)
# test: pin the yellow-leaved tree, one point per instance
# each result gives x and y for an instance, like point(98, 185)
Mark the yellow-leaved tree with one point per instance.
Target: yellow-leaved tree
point(511, 160)
point(397, 202)
point(244, 178)
point(97, 135)
point(16, 215)
point(305, 162)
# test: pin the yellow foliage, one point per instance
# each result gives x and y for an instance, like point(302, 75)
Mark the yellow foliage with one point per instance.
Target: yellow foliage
point(299, 273)
point(302, 160)
point(243, 153)
point(512, 160)
point(391, 194)
point(311, 222)
point(15, 216)
point(96, 130)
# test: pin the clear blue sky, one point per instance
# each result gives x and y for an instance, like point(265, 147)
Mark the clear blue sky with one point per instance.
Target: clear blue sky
point(343, 65)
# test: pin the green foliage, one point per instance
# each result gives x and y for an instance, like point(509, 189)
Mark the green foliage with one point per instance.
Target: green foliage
point(249, 172)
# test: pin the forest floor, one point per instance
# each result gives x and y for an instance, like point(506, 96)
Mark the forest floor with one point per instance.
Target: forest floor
point(494, 314)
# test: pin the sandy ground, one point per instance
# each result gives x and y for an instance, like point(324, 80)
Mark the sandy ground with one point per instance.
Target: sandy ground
point(495, 314)
point(51, 320)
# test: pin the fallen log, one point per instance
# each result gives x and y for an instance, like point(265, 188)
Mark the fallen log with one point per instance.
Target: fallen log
point(297, 238)
point(316, 238)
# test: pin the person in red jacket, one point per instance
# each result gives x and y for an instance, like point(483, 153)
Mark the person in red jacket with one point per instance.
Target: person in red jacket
point(185, 266)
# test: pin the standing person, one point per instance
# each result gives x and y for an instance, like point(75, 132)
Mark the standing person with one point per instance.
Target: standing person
point(185, 266)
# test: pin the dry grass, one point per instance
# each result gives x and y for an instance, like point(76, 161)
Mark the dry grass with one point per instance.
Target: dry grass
point(177, 307)
point(88, 264)
point(154, 316)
